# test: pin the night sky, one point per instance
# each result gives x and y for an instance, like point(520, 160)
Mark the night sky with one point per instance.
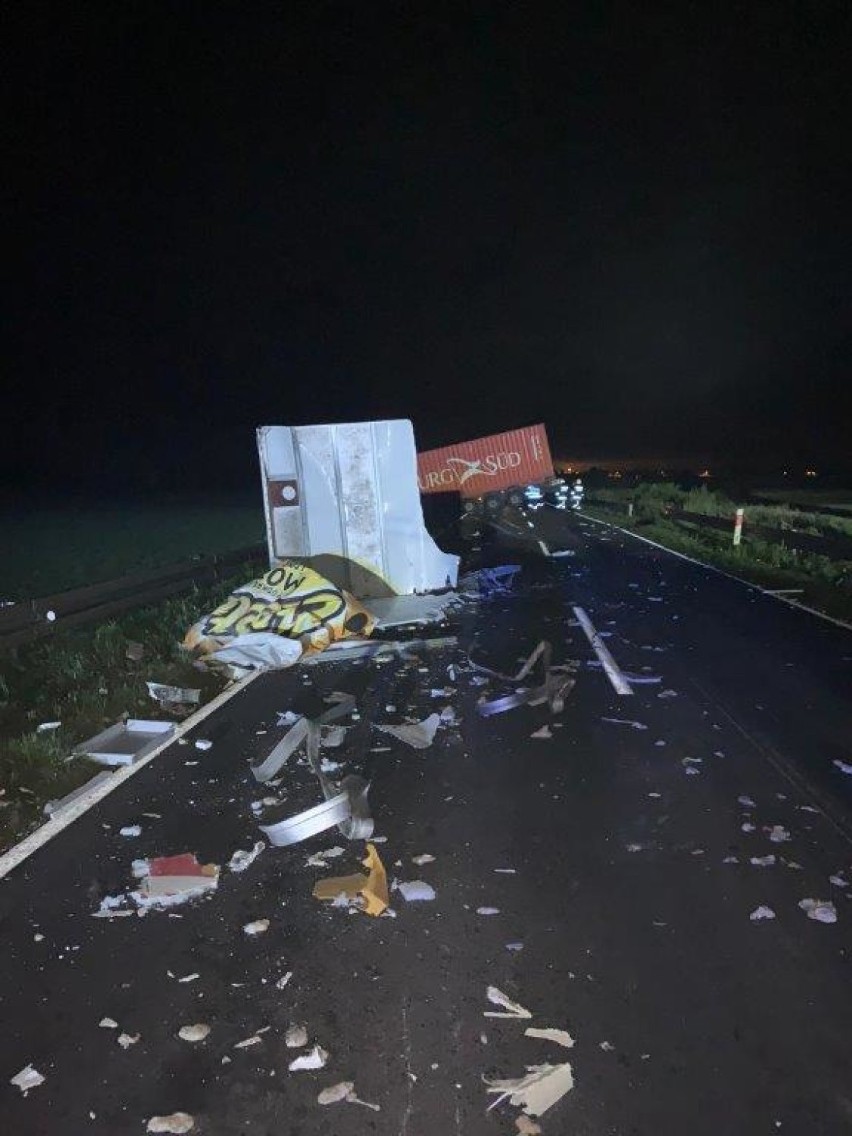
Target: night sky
point(631, 221)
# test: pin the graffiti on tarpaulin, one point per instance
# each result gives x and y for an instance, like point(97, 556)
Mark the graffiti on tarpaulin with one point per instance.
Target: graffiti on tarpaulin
point(291, 599)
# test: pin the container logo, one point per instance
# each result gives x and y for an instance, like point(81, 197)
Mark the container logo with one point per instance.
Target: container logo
point(460, 470)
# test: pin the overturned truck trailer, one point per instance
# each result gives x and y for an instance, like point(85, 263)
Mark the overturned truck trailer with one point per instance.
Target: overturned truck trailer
point(344, 497)
point(489, 472)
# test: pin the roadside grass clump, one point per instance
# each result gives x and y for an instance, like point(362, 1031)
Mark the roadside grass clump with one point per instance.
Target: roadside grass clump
point(87, 678)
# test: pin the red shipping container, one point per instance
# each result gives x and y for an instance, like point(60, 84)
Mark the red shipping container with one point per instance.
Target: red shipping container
point(518, 457)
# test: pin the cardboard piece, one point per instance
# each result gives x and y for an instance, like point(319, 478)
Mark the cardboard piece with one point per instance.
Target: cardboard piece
point(373, 887)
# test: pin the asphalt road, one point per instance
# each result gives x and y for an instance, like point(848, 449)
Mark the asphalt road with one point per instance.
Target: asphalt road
point(631, 890)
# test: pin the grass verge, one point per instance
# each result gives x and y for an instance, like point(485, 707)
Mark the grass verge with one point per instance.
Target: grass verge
point(825, 584)
point(86, 679)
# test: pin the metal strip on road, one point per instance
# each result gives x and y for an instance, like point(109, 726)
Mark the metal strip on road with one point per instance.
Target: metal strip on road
point(59, 821)
point(613, 673)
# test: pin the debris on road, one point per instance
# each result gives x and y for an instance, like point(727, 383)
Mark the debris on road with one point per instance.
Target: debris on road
point(125, 1040)
point(544, 734)
point(556, 683)
point(763, 861)
point(498, 998)
point(423, 858)
point(537, 1091)
point(256, 927)
point(320, 859)
point(843, 766)
point(314, 1059)
point(130, 830)
point(821, 910)
point(418, 735)
point(203, 743)
point(372, 889)
point(561, 1037)
point(778, 834)
point(626, 722)
point(248, 1042)
point(344, 1091)
point(527, 1127)
point(28, 1078)
point(488, 911)
point(415, 890)
point(108, 1023)
point(296, 1037)
point(173, 879)
point(760, 913)
point(197, 1032)
point(746, 802)
point(242, 860)
point(175, 1123)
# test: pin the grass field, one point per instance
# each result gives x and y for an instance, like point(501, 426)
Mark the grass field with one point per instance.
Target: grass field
point(809, 498)
point(49, 550)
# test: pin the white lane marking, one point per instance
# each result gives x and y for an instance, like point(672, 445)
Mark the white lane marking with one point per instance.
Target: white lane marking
point(19, 852)
point(619, 682)
point(722, 572)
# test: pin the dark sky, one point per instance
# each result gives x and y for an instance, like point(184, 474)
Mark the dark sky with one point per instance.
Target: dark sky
point(633, 221)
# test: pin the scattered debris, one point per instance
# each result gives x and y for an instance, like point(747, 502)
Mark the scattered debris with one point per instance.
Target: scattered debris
point(746, 802)
point(372, 888)
point(821, 910)
point(607, 1046)
point(125, 742)
point(778, 834)
point(667, 694)
point(527, 1127)
point(760, 913)
point(170, 697)
point(130, 830)
point(171, 879)
point(344, 1091)
point(176, 1123)
point(838, 881)
point(498, 998)
point(488, 911)
point(843, 766)
point(419, 735)
point(415, 890)
point(561, 1037)
point(625, 722)
point(763, 861)
point(28, 1078)
point(257, 927)
point(108, 1023)
point(557, 682)
point(125, 1040)
point(284, 980)
point(203, 743)
point(248, 1042)
point(196, 1032)
point(747, 826)
point(423, 858)
point(242, 860)
point(514, 946)
point(190, 977)
point(314, 1059)
point(545, 733)
point(537, 1091)
point(296, 1037)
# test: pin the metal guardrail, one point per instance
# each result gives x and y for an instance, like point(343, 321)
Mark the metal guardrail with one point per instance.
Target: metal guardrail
point(33, 619)
point(834, 547)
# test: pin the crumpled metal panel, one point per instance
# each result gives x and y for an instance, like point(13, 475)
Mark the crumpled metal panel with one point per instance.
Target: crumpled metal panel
point(346, 496)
